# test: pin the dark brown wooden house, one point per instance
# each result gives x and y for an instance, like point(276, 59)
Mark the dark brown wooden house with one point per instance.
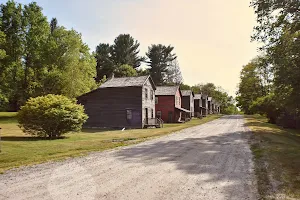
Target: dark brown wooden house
point(188, 101)
point(121, 102)
point(198, 105)
point(204, 105)
point(209, 102)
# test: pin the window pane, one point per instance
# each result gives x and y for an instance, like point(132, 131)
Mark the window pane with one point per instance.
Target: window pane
point(129, 114)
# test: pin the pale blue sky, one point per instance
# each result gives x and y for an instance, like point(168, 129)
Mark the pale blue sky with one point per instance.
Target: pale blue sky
point(211, 38)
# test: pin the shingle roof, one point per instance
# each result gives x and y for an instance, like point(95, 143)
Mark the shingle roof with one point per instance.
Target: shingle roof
point(197, 96)
point(166, 90)
point(125, 82)
point(186, 92)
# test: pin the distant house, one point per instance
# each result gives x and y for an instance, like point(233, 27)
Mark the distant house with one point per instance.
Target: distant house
point(198, 105)
point(209, 103)
point(204, 107)
point(121, 102)
point(217, 108)
point(168, 101)
point(213, 106)
point(188, 101)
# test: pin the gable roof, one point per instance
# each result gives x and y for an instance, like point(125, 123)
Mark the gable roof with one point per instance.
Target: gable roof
point(166, 90)
point(138, 81)
point(187, 92)
point(197, 96)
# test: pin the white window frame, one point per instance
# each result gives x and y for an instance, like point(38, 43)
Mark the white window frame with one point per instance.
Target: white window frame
point(158, 113)
point(146, 93)
point(129, 114)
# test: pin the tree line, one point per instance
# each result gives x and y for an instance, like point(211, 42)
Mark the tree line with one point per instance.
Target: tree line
point(122, 59)
point(270, 83)
point(227, 102)
point(38, 57)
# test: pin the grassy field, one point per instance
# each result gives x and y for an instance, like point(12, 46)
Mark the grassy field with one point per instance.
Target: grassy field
point(19, 149)
point(277, 159)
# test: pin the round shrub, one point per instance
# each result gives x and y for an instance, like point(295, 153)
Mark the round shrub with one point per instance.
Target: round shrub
point(51, 116)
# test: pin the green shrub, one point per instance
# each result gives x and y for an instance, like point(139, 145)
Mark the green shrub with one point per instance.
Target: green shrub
point(51, 115)
point(267, 106)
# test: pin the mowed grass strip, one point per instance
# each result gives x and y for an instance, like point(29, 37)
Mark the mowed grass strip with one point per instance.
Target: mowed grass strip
point(277, 159)
point(19, 149)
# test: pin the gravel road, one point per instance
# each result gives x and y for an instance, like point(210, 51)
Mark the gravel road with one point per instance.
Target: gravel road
point(210, 161)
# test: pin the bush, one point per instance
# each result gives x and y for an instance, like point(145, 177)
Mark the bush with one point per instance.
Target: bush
point(51, 115)
point(267, 106)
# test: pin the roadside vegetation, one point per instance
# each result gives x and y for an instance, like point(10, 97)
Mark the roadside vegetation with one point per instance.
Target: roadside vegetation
point(270, 83)
point(18, 149)
point(277, 158)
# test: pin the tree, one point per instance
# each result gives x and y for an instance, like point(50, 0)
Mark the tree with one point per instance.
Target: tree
point(173, 74)
point(105, 64)
point(278, 29)
point(208, 89)
point(143, 72)
point(159, 59)
point(125, 71)
point(71, 67)
point(40, 58)
point(250, 87)
point(125, 50)
point(13, 45)
point(53, 24)
point(51, 115)
point(184, 86)
point(36, 32)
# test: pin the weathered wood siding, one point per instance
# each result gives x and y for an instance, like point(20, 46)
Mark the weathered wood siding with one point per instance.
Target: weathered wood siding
point(106, 107)
point(197, 107)
point(148, 102)
point(204, 106)
point(188, 103)
point(165, 105)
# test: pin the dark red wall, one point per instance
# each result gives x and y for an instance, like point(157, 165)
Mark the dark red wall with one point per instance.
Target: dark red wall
point(165, 104)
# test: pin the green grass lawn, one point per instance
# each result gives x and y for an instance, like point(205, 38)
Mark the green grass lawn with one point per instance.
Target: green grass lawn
point(19, 149)
point(277, 158)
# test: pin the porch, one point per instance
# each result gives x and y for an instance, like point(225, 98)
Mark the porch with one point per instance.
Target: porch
point(153, 122)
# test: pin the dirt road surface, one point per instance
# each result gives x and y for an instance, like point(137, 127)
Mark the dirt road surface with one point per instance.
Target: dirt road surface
point(210, 161)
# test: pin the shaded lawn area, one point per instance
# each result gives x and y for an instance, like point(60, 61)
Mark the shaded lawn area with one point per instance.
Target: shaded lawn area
point(277, 158)
point(19, 149)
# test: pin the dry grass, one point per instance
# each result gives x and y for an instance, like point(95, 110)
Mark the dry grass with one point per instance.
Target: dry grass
point(277, 159)
point(19, 149)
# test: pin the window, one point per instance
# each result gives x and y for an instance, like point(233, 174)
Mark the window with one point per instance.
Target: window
point(156, 100)
point(151, 94)
point(158, 114)
point(129, 114)
point(146, 93)
point(152, 113)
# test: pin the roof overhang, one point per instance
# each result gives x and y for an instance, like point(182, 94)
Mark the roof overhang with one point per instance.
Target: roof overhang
point(182, 109)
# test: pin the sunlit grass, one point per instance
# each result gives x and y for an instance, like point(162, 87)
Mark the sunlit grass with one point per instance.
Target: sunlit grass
point(277, 153)
point(19, 149)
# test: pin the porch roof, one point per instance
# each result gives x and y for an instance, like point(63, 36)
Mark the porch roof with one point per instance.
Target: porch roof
point(182, 109)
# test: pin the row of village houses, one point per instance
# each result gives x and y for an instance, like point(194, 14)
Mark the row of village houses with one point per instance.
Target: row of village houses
point(135, 102)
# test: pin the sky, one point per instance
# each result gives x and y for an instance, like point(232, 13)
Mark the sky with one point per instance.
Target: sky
point(211, 37)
